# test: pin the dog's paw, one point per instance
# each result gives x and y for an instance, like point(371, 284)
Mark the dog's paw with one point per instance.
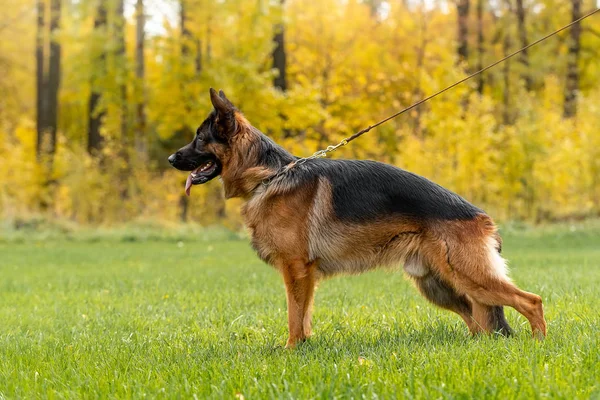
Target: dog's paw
point(539, 335)
point(293, 342)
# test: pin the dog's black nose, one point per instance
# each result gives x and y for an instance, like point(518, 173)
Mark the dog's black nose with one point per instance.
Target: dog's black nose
point(172, 158)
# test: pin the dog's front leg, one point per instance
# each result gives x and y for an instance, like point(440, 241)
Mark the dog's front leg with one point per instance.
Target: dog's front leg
point(299, 285)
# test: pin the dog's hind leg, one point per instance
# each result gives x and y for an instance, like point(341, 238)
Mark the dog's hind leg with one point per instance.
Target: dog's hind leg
point(491, 318)
point(474, 267)
point(443, 295)
point(500, 292)
point(478, 317)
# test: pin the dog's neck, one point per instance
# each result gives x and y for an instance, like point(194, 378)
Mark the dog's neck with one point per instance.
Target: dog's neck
point(254, 157)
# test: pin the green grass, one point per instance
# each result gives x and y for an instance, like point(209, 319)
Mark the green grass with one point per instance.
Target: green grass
point(124, 318)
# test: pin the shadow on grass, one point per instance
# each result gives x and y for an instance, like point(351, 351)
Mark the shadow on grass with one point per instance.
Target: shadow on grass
point(371, 341)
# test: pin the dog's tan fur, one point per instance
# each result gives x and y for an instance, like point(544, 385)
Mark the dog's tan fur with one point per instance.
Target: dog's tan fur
point(298, 233)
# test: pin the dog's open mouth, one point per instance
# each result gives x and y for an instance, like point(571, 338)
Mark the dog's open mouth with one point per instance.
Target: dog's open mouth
point(204, 173)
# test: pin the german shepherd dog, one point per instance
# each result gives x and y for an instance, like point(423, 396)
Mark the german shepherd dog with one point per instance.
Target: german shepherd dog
point(326, 217)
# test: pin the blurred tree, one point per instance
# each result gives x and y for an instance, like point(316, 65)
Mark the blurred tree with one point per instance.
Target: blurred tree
point(53, 79)
point(572, 78)
point(121, 75)
point(185, 131)
point(40, 78)
point(48, 82)
point(524, 56)
point(96, 113)
point(506, 48)
point(140, 67)
point(480, 49)
point(121, 62)
point(279, 57)
point(462, 12)
point(374, 6)
point(198, 64)
point(502, 141)
point(421, 49)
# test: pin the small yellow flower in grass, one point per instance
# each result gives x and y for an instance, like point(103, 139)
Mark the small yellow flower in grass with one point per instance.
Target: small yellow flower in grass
point(239, 396)
point(363, 361)
point(83, 316)
point(166, 296)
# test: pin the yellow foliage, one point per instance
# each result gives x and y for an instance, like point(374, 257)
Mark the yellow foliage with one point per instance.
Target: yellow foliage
point(346, 68)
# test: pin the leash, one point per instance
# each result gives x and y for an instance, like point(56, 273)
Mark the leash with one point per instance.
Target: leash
point(329, 149)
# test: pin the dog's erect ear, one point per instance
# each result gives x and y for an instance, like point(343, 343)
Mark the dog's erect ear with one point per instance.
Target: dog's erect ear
point(225, 121)
point(222, 95)
point(220, 103)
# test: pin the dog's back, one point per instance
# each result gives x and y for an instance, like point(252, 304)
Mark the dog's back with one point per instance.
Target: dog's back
point(367, 190)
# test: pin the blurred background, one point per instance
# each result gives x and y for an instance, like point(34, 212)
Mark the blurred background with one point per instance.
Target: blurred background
point(94, 95)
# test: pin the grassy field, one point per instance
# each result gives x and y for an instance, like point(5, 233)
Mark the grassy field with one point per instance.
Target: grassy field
point(202, 317)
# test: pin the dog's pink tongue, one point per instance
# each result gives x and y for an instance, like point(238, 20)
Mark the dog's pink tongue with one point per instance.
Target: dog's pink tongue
point(188, 184)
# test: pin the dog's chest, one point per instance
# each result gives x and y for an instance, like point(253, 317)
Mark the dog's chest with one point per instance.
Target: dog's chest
point(278, 228)
point(255, 221)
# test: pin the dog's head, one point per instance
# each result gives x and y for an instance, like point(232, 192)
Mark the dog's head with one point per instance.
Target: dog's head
point(209, 151)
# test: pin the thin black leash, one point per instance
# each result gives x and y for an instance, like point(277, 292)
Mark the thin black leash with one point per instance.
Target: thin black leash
point(329, 149)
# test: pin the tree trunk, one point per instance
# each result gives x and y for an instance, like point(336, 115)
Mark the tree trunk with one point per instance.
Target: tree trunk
point(279, 56)
point(213, 195)
point(524, 57)
point(506, 43)
point(208, 40)
point(421, 50)
point(186, 35)
point(99, 61)
point(198, 56)
point(121, 64)
point(572, 80)
point(40, 79)
point(186, 52)
point(462, 8)
point(374, 6)
point(140, 131)
point(185, 131)
point(480, 81)
point(53, 78)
